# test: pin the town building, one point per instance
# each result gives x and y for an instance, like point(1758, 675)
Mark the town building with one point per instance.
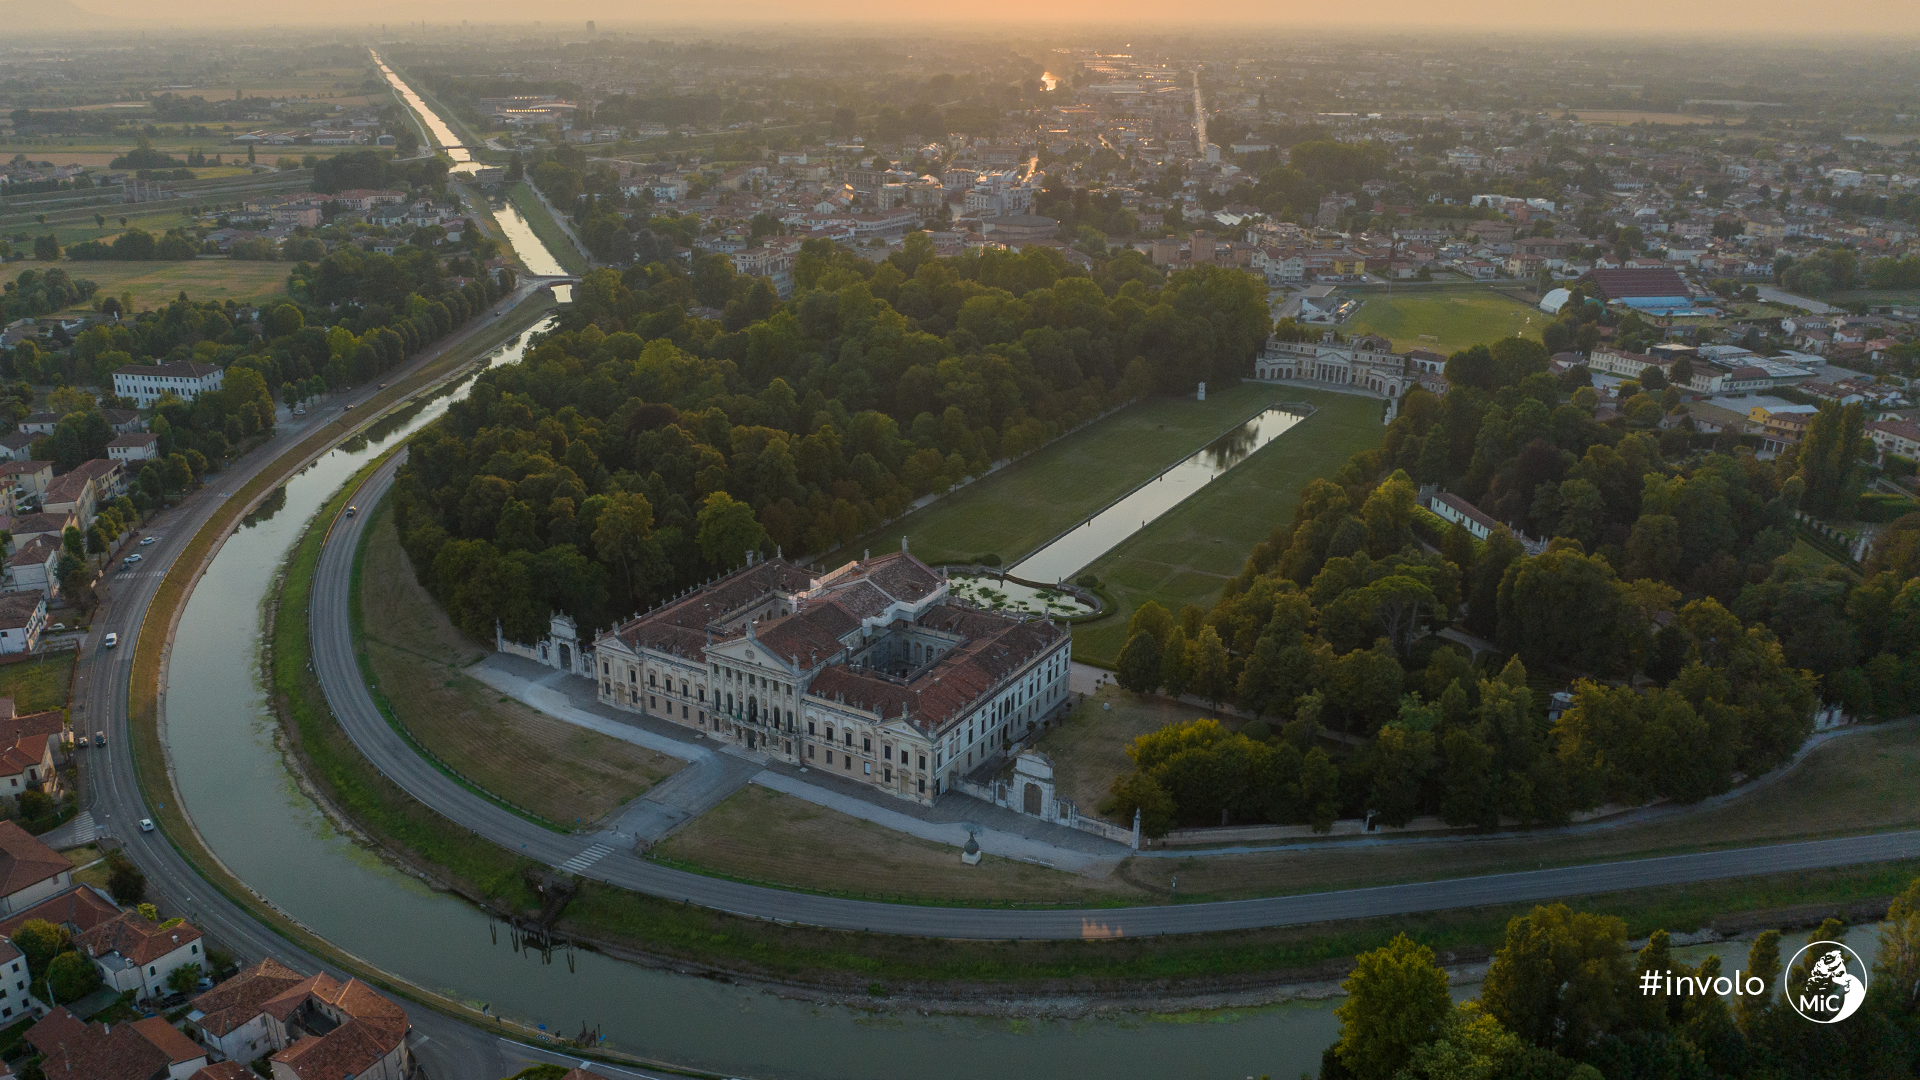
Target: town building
point(1455, 509)
point(34, 565)
point(185, 379)
point(137, 954)
point(139, 446)
point(23, 615)
point(30, 871)
point(150, 1049)
point(872, 671)
point(315, 1027)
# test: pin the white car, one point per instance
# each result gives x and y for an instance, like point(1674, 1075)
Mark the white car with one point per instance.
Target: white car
point(134, 558)
point(146, 824)
point(111, 640)
point(148, 540)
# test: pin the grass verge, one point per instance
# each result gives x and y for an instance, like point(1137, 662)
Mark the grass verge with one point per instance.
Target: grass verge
point(556, 774)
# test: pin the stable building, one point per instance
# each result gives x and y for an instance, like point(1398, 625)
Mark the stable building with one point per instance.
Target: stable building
point(873, 671)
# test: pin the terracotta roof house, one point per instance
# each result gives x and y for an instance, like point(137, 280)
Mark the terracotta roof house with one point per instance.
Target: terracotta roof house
point(318, 1027)
point(30, 871)
point(27, 745)
point(23, 614)
point(135, 953)
point(16, 998)
point(149, 1049)
point(225, 1070)
point(79, 909)
point(35, 565)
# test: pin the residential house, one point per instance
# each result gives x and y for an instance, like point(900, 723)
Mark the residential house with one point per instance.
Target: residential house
point(139, 446)
point(85, 488)
point(317, 1027)
point(30, 871)
point(35, 565)
point(25, 527)
point(17, 446)
point(80, 908)
point(223, 1070)
point(184, 379)
point(150, 1049)
point(27, 744)
point(40, 423)
point(23, 615)
point(134, 953)
point(1895, 437)
point(31, 476)
point(16, 994)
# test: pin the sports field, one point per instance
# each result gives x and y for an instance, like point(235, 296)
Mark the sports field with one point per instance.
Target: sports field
point(1185, 555)
point(155, 283)
point(1029, 502)
point(1445, 320)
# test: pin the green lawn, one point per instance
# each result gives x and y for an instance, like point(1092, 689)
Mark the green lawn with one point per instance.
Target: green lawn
point(1445, 320)
point(155, 283)
point(1029, 502)
point(38, 685)
point(1186, 554)
point(76, 226)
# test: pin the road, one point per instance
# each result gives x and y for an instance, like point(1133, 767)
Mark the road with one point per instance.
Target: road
point(592, 857)
point(447, 1048)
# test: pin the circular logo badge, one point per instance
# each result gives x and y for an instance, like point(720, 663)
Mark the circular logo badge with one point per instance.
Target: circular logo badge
point(1834, 986)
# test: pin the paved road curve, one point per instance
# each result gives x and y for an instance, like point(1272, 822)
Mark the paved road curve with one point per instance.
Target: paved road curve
point(448, 1048)
point(347, 693)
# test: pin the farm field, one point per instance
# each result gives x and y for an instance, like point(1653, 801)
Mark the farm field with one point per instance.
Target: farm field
point(1186, 554)
point(416, 656)
point(98, 153)
point(1445, 320)
point(155, 283)
point(1029, 502)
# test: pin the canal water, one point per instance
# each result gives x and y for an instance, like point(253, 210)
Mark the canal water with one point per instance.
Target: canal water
point(1067, 553)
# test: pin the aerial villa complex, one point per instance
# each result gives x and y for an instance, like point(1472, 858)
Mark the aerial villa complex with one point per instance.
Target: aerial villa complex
point(1365, 361)
point(872, 671)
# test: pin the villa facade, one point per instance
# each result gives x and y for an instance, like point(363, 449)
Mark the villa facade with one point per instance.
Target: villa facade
point(873, 671)
point(1366, 362)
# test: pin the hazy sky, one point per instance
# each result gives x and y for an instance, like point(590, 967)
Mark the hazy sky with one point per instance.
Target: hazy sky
point(1780, 21)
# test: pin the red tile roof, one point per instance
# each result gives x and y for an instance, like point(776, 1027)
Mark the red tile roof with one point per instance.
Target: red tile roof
point(136, 938)
point(25, 861)
point(79, 908)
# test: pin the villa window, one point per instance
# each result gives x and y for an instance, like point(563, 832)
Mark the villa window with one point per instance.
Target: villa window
point(810, 727)
point(811, 748)
point(923, 765)
point(886, 751)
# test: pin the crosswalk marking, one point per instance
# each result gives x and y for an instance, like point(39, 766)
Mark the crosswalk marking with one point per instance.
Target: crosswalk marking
point(84, 830)
point(586, 858)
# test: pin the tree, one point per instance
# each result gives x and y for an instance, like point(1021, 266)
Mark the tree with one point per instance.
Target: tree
point(182, 979)
point(620, 534)
point(1207, 669)
point(1158, 621)
point(1139, 791)
point(47, 248)
point(1139, 666)
point(72, 976)
point(728, 531)
point(1174, 659)
point(124, 880)
point(41, 941)
point(1396, 1002)
point(1557, 979)
point(73, 542)
point(178, 473)
point(1896, 970)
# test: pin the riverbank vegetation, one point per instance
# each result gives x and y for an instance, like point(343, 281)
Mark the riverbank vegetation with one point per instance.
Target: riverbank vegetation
point(558, 771)
point(639, 450)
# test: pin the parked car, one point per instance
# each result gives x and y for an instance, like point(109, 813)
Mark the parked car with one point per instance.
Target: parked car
point(111, 640)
